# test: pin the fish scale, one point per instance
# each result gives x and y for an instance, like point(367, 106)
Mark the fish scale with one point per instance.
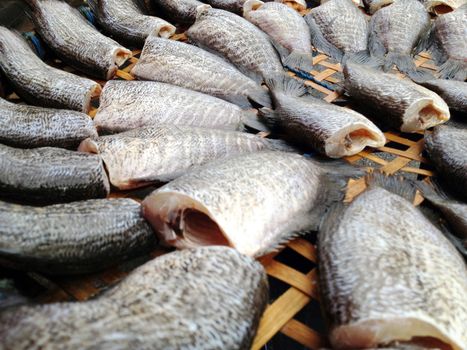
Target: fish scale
point(452, 91)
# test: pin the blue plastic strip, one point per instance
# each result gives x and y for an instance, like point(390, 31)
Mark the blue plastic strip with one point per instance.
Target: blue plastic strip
point(87, 13)
point(31, 36)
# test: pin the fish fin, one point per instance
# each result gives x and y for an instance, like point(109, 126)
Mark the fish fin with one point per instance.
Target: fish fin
point(403, 62)
point(279, 145)
point(261, 97)
point(425, 39)
point(320, 42)
point(331, 220)
point(286, 84)
point(256, 77)
point(437, 53)
point(239, 100)
point(419, 76)
point(397, 185)
point(453, 69)
point(460, 244)
point(299, 60)
point(375, 45)
point(252, 121)
point(364, 58)
point(432, 193)
point(269, 117)
point(281, 50)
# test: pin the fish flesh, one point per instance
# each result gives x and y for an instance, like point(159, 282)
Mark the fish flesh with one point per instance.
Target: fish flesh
point(206, 298)
point(337, 28)
point(374, 5)
point(399, 31)
point(453, 92)
point(287, 29)
point(50, 175)
point(75, 40)
point(447, 149)
point(298, 5)
point(254, 202)
point(39, 83)
point(73, 238)
point(188, 66)
point(406, 106)
point(441, 7)
point(159, 154)
point(331, 130)
point(179, 11)
point(29, 126)
point(387, 273)
point(126, 105)
point(237, 40)
point(449, 47)
point(124, 20)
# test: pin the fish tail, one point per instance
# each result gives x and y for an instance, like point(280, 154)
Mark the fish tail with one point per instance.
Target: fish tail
point(404, 63)
point(397, 185)
point(279, 145)
point(261, 97)
point(286, 84)
point(433, 193)
point(268, 116)
point(364, 58)
point(420, 76)
point(453, 69)
point(300, 60)
point(252, 121)
point(320, 42)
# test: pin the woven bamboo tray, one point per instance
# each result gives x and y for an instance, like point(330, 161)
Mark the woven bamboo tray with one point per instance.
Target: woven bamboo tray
point(292, 320)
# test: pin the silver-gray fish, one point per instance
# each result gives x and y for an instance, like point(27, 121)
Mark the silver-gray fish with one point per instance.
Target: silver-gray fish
point(447, 149)
point(254, 202)
point(29, 126)
point(126, 105)
point(331, 130)
point(399, 103)
point(374, 5)
point(387, 273)
point(51, 175)
point(124, 20)
point(453, 92)
point(398, 32)
point(337, 28)
point(235, 6)
point(179, 11)
point(237, 40)
point(441, 7)
point(207, 298)
point(72, 238)
point(159, 154)
point(449, 46)
point(188, 66)
point(39, 83)
point(287, 29)
point(75, 40)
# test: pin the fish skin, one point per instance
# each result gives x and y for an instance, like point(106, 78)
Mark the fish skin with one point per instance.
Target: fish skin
point(440, 7)
point(397, 31)
point(285, 27)
point(254, 202)
point(407, 106)
point(449, 47)
point(387, 273)
point(124, 20)
point(374, 5)
point(237, 40)
point(146, 155)
point(126, 105)
point(39, 83)
point(447, 149)
point(50, 175)
point(73, 238)
point(179, 11)
point(30, 126)
point(337, 28)
point(235, 6)
point(316, 123)
point(188, 66)
point(76, 41)
point(453, 92)
point(207, 298)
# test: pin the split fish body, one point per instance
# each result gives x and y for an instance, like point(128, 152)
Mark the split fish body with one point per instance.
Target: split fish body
point(50, 175)
point(440, 7)
point(76, 41)
point(126, 21)
point(453, 92)
point(72, 238)
point(128, 105)
point(160, 154)
point(207, 298)
point(179, 11)
point(29, 126)
point(188, 66)
point(407, 106)
point(39, 83)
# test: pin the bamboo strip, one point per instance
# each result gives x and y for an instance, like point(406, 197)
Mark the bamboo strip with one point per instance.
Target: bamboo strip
point(303, 334)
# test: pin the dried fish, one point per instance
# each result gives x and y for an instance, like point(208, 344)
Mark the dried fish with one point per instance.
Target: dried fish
point(338, 27)
point(374, 5)
point(299, 5)
point(331, 130)
point(237, 40)
point(286, 27)
point(72, 238)
point(449, 47)
point(387, 273)
point(453, 92)
point(160, 154)
point(401, 103)
point(38, 83)
point(188, 66)
point(209, 298)
point(180, 11)
point(125, 21)
point(29, 126)
point(253, 202)
point(50, 175)
point(128, 105)
point(441, 7)
point(399, 31)
point(447, 149)
point(76, 41)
